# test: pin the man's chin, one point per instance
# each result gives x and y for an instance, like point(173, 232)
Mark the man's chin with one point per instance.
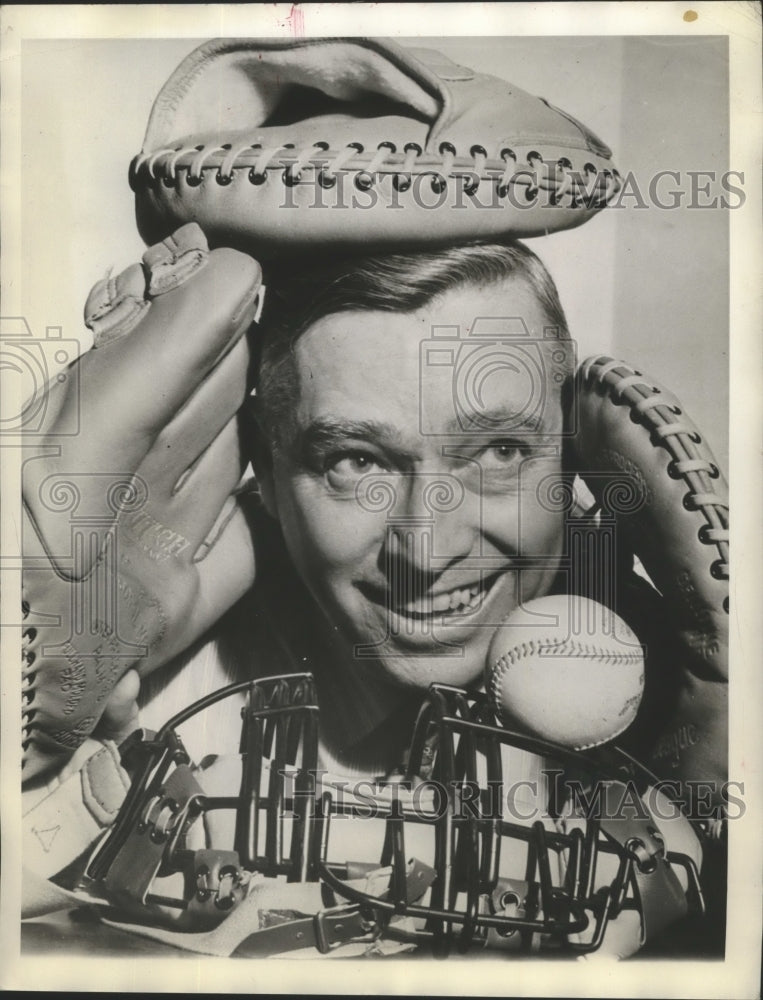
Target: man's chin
point(459, 665)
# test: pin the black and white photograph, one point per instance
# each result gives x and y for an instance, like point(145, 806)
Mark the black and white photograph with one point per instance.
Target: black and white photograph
point(377, 383)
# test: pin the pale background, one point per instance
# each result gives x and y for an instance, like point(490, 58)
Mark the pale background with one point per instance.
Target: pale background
point(649, 285)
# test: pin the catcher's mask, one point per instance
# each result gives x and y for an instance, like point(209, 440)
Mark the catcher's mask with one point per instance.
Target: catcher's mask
point(459, 861)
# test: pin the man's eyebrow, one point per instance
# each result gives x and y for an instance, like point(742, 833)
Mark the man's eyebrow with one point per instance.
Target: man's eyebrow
point(326, 432)
point(499, 420)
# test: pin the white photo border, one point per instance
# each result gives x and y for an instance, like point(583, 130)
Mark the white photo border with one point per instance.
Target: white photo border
point(739, 974)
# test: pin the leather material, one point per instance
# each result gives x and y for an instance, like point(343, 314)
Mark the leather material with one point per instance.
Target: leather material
point(118, 538)
point(647, 464)
point(73, 811)
point(407, 147)
point(324, 932)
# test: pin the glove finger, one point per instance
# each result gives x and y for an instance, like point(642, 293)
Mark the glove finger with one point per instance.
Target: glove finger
point(186, 332)
point(202, 494)
point(226, 571)
point(131, 389)
point(225, 574)
point(183, 441)
point(115, 305)
point(172, 262)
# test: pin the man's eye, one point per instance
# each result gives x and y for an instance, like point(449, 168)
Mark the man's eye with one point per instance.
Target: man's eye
point(501, 455)
point(344, 471)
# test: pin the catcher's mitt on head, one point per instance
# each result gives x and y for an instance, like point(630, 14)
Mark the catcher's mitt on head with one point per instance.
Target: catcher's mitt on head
point(411, 147)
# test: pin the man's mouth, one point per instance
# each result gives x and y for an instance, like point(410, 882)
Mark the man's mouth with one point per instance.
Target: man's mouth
point(459, 601)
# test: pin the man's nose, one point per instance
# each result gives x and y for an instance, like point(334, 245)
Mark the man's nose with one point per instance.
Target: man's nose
point(433, 522)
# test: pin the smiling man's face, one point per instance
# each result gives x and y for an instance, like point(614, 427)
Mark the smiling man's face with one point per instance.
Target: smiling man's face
point(408, 492)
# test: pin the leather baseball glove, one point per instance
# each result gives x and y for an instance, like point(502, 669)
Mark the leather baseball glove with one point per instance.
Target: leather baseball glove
point(656, 482)
point(408, 148)
point(134, 542)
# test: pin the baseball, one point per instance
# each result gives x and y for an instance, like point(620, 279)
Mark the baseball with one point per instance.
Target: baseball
point(566, 669)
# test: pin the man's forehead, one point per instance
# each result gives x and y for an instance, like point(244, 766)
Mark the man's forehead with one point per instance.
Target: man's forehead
point(456, 366)
point(508, 310)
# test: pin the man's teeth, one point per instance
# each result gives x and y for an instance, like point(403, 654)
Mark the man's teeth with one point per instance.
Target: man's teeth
point(453, 600)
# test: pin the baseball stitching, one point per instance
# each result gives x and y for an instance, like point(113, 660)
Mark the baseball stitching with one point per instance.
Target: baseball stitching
point(558, 647)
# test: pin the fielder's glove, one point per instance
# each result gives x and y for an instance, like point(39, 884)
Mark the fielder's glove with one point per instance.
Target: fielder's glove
point(134, 543)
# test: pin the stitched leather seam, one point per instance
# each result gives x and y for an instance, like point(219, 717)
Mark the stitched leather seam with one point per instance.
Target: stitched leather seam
point(556, 177)
point(563, 647)
point(680, 439)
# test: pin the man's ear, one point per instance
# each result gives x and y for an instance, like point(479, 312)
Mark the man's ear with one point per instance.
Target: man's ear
point(264, 475)
point(259, 451)
point(569, 416)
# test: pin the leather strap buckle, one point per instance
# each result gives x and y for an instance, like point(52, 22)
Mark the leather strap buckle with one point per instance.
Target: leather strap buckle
point(339, 925)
